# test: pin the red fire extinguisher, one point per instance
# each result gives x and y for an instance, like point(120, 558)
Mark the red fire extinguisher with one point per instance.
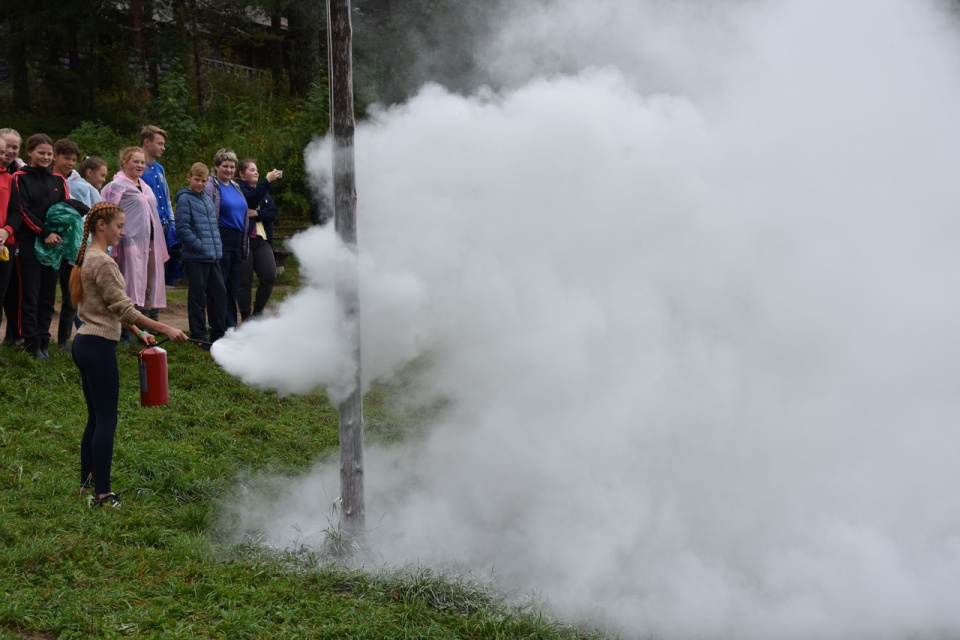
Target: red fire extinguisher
point(154, 389)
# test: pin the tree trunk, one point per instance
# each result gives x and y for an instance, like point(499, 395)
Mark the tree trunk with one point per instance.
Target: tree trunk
point(94, 63)
point(136, 7)
point(276, 48)
point(19, 71)
point(345, 220)
point(193, 29)
point(305, 21)
point(150, 48)
point(76, 96)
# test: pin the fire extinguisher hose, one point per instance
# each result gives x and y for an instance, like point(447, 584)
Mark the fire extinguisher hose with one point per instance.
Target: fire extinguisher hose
point(203, 344)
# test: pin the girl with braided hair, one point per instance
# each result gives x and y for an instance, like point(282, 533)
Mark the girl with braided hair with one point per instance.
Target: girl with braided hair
point(97, 290)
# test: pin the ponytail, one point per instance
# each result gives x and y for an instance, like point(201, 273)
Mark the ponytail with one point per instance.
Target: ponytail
point(105, 211)
point(90, 164)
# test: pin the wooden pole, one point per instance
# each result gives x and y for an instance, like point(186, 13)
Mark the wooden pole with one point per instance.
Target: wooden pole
point(340, 34)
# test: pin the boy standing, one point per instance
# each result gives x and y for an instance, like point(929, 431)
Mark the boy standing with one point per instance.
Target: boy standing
point(65, 152)
point(199, 234)
point(153, 141)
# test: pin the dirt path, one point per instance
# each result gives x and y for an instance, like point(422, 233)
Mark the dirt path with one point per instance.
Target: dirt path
point(175, 315)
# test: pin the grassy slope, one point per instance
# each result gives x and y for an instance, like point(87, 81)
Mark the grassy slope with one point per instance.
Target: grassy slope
point(154, 568)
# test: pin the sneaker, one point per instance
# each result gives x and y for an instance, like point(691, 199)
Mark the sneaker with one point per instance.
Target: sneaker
point(109, 500)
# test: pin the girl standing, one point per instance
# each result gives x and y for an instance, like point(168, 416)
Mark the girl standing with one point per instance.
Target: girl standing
point(11, 156)
point(260, 255)
point(142, 251)
point(35, 189)
point(97, 288)
point(10, 163)
point(7, 246)
point(85, 181)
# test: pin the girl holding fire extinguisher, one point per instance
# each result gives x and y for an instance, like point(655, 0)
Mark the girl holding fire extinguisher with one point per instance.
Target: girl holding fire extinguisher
point(97, 290)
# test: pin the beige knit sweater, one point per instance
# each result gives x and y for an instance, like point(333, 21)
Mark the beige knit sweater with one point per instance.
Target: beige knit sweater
point(105, 303)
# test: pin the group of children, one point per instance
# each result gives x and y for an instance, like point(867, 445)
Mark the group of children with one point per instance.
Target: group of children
point(221, 229)
point(113, 279)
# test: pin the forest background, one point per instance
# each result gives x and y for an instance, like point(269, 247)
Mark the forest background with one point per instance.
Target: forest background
point(248, 74)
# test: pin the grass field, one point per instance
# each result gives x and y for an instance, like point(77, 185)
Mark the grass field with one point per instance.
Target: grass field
point(156, 568)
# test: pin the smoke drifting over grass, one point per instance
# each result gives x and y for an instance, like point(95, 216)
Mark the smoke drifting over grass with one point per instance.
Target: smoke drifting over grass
point(696, 312)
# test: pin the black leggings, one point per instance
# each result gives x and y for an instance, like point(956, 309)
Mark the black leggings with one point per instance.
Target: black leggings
point(259, 259)
point(96, 358)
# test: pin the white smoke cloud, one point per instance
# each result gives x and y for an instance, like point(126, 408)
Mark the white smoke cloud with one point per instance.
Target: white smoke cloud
point(699, 345)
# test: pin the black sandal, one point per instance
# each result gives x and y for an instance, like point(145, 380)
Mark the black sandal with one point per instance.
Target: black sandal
point(109, 500)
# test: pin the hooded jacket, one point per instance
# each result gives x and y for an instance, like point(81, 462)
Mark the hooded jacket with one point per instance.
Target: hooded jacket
point(82, 190)
point(197, 227)
point(134, 251)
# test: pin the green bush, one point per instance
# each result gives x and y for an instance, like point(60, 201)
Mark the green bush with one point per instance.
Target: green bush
point(179, 121)
point(248, 113)
point(97, 139)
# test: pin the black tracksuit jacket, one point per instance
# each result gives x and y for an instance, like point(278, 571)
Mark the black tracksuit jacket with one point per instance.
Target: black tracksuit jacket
point(33, 192)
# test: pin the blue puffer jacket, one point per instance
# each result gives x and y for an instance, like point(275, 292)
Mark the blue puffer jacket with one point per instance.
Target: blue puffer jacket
point(197, 227)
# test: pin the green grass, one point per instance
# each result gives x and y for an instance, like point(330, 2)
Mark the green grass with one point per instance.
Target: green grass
point(156, 568)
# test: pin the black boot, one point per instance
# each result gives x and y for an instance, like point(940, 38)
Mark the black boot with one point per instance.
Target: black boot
point(45, 347)
point(32, 345)
point(64, 331)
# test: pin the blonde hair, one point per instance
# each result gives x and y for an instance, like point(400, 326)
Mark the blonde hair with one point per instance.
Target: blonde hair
point(198, 169)
point(224, 155)
point(105, 211)
point(127, 153)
